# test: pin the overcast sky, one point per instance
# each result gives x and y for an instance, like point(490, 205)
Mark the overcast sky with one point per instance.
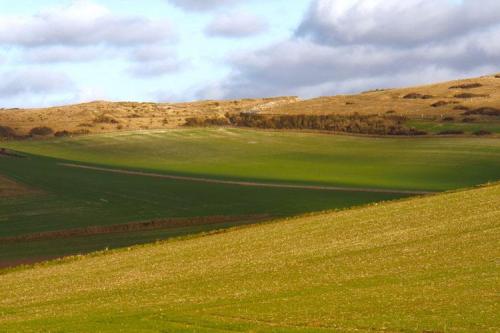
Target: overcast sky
point(69, 51)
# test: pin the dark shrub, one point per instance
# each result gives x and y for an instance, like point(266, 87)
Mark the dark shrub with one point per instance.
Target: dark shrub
point(105, 119)
point(417, 96)
point(482, 133)
point(468, 120)
point(41, 131)
point(448, 119)
point(467, 86)
point(7, 132)
point(62, 134)
point(497, 76)
point(451, 132)
point(484, 111)
point(461, 108)
point(469, 95)
point(441, 103)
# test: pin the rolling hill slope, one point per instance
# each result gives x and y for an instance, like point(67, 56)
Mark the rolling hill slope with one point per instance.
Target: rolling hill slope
point(418, 265)
point(466, 106)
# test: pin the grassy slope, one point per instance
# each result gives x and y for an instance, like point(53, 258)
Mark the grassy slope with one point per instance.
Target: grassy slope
point(74, 198)
point(425, 264)
point(417, 164)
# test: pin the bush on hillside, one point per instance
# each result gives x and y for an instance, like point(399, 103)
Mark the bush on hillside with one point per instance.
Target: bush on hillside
point(417, 96)
point(484, 111)
point(482, 133)
point(467, 86)
point(105, 119)
point(62, 134)
point(7, 133)
point(451, 132)
point(41, 131)
point(355, 123)
point(441, 103)
point(470, 95)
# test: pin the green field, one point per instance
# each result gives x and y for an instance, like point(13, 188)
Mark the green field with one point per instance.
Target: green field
point(418, 265)
point(75, 198)
point(406, 163)
point(434, 127)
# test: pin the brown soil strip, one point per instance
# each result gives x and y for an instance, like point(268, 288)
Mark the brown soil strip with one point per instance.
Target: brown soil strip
point(25, 261)
point(135, 227)
point(249, 184)
point(9, 188)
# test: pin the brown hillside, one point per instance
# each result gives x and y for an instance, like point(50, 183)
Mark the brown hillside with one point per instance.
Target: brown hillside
point(470, 100)
point(101, 116)
point(442, 99)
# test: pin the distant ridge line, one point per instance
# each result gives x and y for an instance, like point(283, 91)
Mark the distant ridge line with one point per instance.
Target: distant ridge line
point(246, 183)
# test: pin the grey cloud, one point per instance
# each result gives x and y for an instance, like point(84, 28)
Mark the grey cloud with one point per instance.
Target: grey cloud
point(33, 82)
point(315, 66)
point(394, 22)
point(302, 67)
point(236, 25)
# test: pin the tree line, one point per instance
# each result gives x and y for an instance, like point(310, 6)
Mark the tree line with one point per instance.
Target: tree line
point(352, 123)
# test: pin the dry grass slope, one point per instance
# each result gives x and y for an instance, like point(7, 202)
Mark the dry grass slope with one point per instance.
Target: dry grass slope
point(434, 102)
point(423, 265)
point(429, 100)
point(101, 116)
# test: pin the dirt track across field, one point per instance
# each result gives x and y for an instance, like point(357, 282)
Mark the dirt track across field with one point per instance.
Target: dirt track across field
point(245, 183)
point(159, 224)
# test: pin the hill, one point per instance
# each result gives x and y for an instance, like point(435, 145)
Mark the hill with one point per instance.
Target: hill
point(102, 116)
point(111, 190)
point(418, 265)
point(456, 107)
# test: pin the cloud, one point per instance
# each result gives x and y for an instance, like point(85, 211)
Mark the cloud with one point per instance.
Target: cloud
point(154, 61)
point(82, 23)
point(345, 46)
point(203, 5)
point(395, 22)
point(61, 54)
point(33, 82)
point(236, 25)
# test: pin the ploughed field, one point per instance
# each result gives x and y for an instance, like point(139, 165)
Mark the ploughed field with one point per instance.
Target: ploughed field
point(418, 265)
point(139, 187)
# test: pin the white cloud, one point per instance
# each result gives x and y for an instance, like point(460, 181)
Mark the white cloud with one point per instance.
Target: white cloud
point(236, 25)
point(203, 5)
point(154, 61)
point(82, 23)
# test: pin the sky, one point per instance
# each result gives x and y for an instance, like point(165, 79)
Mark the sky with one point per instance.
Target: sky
point(55, 52)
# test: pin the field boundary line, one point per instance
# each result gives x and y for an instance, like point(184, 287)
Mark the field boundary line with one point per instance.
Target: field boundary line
point(246, 183)
point(156, 224)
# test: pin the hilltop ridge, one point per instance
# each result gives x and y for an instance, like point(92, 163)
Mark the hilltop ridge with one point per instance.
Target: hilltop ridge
point(469, 104)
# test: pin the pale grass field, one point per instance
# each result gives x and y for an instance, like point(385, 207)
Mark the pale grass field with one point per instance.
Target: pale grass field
point(418, 265)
